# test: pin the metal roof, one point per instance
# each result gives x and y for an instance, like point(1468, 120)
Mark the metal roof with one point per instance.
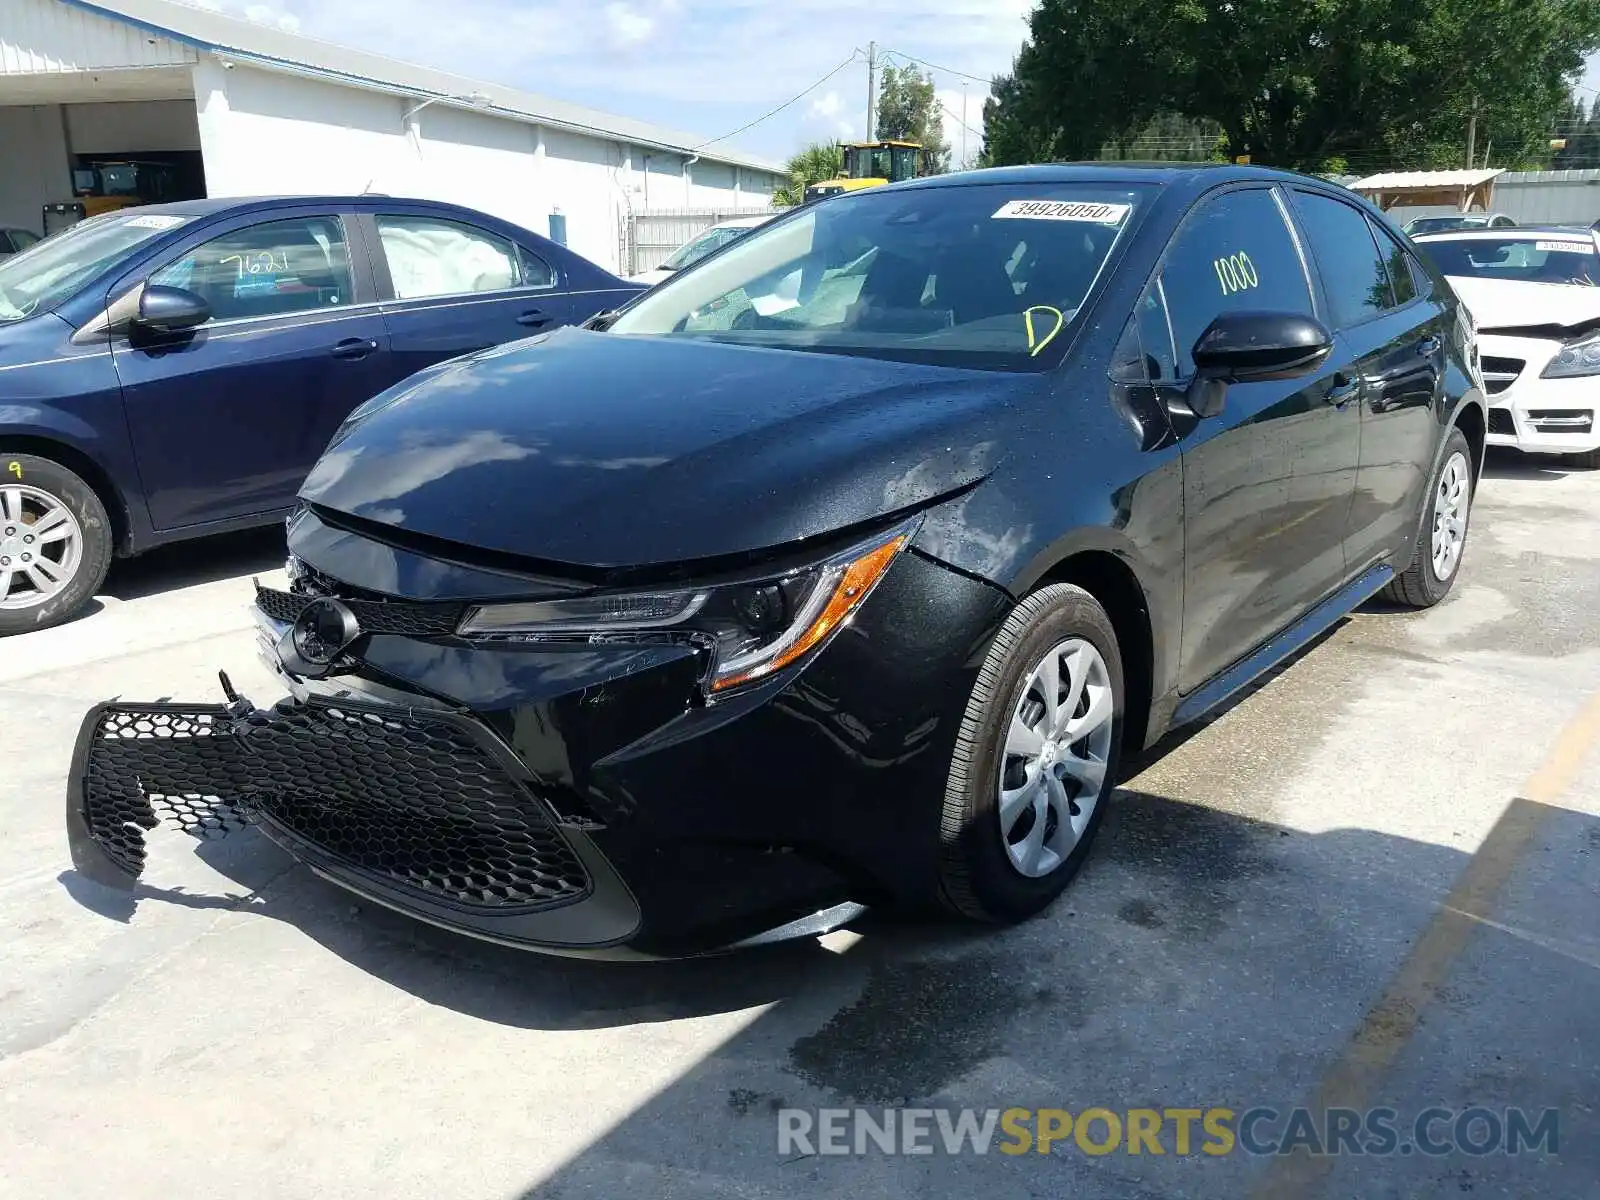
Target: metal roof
point(1395, 181)
point(261, 45)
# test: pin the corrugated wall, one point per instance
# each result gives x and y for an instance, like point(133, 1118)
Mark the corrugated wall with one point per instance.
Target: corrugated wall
point(47, 36)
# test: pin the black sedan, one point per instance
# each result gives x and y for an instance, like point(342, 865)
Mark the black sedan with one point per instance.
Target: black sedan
point(842, 570)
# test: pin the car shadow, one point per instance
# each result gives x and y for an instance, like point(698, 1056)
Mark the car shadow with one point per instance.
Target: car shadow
point(201, 560)
point(1505, 462)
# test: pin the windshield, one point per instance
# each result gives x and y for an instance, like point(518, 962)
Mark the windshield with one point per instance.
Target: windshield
point(1553, 258)
point(982, 276)
point(697, 248)
point(44, 275)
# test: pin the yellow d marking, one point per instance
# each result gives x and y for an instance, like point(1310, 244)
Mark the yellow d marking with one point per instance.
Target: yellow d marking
point(16, 469)
point(1035, 342)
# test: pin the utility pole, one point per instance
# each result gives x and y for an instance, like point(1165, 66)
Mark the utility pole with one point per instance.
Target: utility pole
point(963, 166)
point(1472, 133)
point(872, 84)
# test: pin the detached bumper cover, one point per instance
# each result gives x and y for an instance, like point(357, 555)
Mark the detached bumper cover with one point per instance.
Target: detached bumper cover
point(423, 803)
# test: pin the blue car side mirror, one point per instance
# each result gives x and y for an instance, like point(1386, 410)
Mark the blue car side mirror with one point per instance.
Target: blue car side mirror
point(164, 309)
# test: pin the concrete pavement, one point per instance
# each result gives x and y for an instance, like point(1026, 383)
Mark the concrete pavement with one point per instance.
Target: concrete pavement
point(1264, 923)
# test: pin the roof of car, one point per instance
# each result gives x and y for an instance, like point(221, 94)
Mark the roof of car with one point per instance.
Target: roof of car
point(1179, 174)
point(1479, 232)
point(213, 205)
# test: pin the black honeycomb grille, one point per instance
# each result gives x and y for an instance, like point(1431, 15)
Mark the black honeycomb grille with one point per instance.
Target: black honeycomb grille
point(130, 770)
point(417, 799)
point(404, 617)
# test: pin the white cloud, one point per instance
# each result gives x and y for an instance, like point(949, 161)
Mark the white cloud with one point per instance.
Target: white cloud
point(827, 105)
point(628, 25)
point(266, 14)
point(830, 111)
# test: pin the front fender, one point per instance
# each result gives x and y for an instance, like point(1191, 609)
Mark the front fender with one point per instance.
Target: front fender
point(1004, 536)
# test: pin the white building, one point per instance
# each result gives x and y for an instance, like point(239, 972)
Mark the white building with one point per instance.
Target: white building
point(241, 109)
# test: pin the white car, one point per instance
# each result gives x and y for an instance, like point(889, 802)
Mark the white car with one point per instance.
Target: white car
point(1418, 226)
point(1534, 295)
point(699, 246)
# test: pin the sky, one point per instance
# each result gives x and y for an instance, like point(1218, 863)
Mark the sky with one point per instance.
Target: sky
point(704, 67)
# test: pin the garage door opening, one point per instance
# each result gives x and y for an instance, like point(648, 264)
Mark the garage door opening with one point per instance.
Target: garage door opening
point(77, 160)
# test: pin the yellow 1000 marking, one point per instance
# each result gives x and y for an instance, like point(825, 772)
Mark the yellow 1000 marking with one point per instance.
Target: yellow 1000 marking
point(1236, 273)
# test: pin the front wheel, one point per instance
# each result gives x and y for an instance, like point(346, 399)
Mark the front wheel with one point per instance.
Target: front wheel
point(55, 543)
point(1035, 759)
point(1589, 460)
point(1437, 558)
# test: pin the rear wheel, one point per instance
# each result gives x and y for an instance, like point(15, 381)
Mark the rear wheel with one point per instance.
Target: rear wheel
point(55, 543)
point(1437, 558)
point(1036, 758)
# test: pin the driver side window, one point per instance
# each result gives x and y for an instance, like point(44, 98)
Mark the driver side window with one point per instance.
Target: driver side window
point(1234, 252)
point(267, 270)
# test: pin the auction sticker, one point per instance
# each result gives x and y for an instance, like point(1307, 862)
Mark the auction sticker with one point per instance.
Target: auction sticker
point(155, 221)
point(1062, 210)
point(1565, 247)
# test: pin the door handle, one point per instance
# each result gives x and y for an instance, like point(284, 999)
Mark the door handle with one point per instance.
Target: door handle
point(354, 348)
point(534, 317)
point(1345, 389)
point(1429, 346)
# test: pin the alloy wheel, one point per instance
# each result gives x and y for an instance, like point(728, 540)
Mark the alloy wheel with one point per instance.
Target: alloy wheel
point(1053, 769)
point(1450, 515)
point(41, 546)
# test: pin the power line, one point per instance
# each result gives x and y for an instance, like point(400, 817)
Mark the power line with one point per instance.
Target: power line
point(936, 67)
point(959, 121)
point(854, 54)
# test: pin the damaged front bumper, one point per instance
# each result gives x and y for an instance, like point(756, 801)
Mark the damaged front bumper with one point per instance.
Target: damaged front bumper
point(420, 810)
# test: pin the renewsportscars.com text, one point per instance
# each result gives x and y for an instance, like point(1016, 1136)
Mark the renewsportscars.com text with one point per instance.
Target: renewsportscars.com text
point(1178, 1131)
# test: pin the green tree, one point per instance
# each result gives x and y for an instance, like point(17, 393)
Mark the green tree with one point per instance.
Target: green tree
point(908, 109)
point(1581, 130)
point(1375, 82)
point(818, 161)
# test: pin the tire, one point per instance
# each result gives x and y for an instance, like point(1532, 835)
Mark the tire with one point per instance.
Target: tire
point(41, 490)
point(979, 873)
point(1589, 460)
point(1421, 584)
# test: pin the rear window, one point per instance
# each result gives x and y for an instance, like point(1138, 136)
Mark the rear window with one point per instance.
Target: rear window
point(1551, 258)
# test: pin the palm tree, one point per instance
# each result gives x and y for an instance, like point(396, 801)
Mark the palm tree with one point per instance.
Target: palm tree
point(820, 160)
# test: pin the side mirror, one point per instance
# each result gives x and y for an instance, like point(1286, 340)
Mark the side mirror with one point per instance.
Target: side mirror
point(165, 309)
point(1242, 347)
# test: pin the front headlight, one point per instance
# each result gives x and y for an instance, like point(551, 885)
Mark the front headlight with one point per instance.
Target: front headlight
point(752, 628)
point(1576, 359)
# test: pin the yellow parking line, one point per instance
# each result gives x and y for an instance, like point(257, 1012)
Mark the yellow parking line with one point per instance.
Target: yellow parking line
point(1392, 1021)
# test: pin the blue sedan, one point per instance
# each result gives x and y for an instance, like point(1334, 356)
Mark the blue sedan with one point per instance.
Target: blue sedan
point(174, 370)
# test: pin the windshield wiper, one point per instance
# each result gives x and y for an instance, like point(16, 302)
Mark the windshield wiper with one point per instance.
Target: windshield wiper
point(601, 321)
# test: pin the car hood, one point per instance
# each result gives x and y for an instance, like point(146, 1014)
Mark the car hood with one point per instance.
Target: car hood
point(651, 278)
point(1506, 304)
point(612, 451)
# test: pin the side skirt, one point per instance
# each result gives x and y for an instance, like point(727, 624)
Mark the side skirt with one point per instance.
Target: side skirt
point(1319, 620)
